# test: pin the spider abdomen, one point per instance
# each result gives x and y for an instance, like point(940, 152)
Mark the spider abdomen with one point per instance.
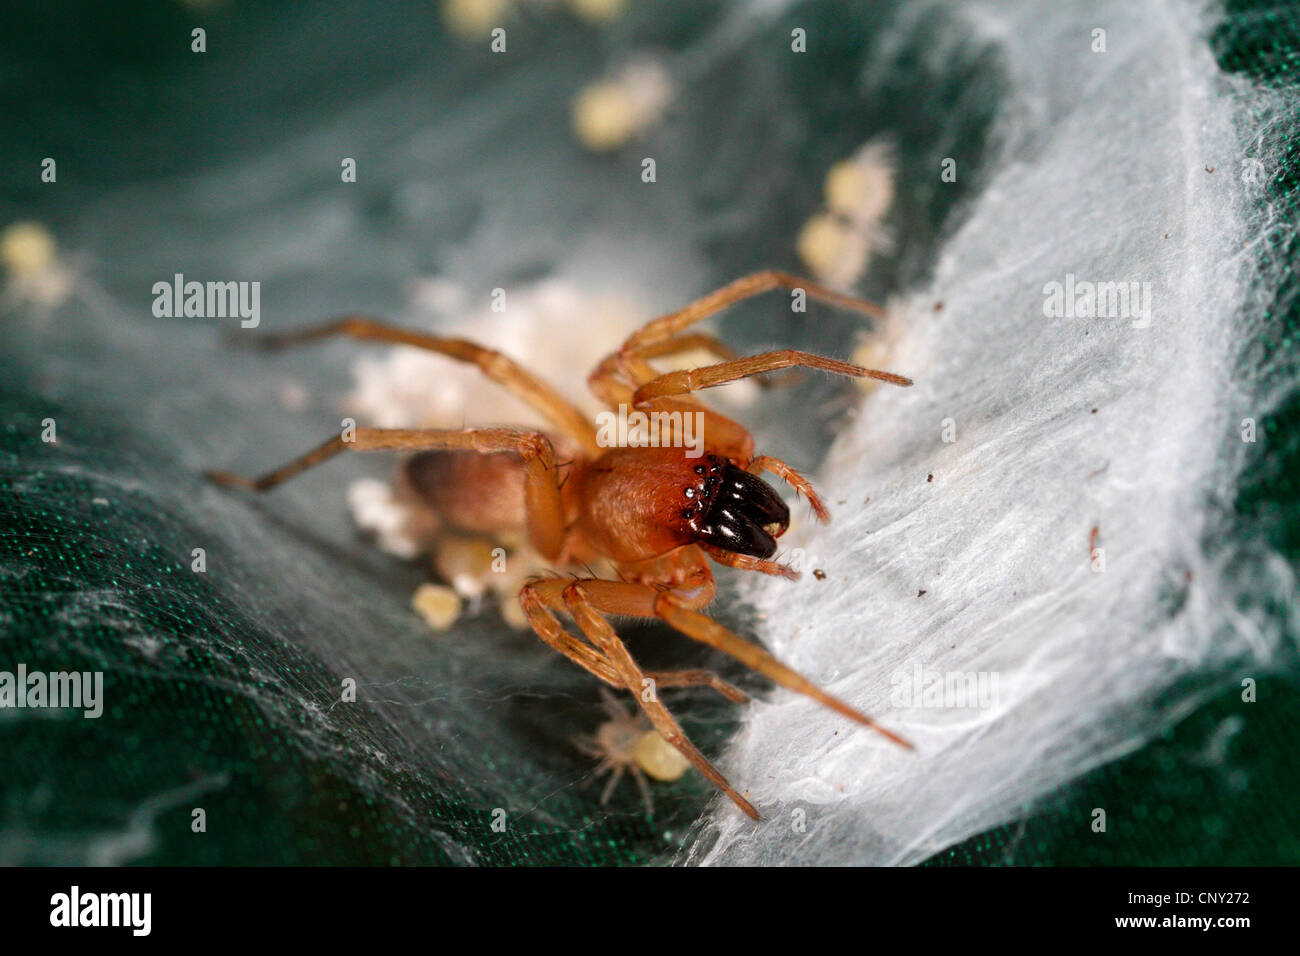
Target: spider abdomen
point(482, 494)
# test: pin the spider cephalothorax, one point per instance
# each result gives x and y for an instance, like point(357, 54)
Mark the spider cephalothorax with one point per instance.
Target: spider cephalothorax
point(656, 513)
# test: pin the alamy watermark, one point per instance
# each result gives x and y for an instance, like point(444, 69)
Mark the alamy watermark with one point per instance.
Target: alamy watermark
point(950, 690)
point(77, 690)
point(131, 911)
point(1085, 299)
point(637, 429)
point(208, 300)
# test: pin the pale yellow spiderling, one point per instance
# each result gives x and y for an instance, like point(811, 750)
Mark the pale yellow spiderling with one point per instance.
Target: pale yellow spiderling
point(464, 562)
point(35, 274)
point(861, 188)
point(837, 243)
point(658, 758)
point(834, 249)
point(474, 19)
point(609, 113)
point(598, 12)
point(437, 604)
point(512, 613)
point(27, 248)
point(627, 743)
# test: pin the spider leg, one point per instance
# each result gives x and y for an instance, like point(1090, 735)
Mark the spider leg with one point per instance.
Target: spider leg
point(614, 707)
point(609, 380)
point(644, 787)
point(614, 778)
point(640, 600)
point(698, 678)
point(690, 380)
point(586, 746)
point(544, 597)
point(708, 631)
point(627, 370)
point(541, 479)
point(604, 766)
point(540, 600)
point(655, 337)
point(497, 367)
point(608, 384)
point(746, 562)
point(797, 481)
point(687, 341)
point(666, 326)
point(602, 635)
point(589, 599)
point(635, 370)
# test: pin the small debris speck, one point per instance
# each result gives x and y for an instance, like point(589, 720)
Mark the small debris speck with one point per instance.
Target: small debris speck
point(921, 593)
point(819, 574)
point(930, 477)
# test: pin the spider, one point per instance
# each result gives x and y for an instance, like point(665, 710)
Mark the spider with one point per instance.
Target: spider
point(626, 742)
point(656, 513)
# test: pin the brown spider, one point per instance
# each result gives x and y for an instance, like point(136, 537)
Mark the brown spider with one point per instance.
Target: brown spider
point(654, 512)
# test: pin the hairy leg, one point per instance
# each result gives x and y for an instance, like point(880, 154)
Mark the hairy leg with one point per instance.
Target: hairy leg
point(626, 377)
point(496, 366)
point(589, 600)
point(745, 562)
point(666, 326)
point(708, 631)
point(602, 635)
point(540, 601)
point(690, 380)
point(698, 678)
point(628, 366)
point(631, 367)
point(797, 481)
